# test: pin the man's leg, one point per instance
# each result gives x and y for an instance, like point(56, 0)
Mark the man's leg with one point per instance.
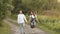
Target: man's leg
point(24, 28)
point(21, 28)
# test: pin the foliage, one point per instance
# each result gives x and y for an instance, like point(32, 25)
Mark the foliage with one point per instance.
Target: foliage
point(36, 5)
point(5, 8)
point(5, 5)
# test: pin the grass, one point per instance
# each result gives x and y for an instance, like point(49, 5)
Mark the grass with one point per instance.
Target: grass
point(50, 25)
point(4, 29)
point(46, 29)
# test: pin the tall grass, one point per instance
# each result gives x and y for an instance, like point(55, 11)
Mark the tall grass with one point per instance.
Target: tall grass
point(51, 24)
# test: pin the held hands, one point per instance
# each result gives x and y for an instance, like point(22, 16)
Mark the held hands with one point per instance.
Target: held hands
point(27, 22)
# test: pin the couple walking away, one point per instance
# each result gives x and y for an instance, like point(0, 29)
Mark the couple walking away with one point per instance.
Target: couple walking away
point(22, 19)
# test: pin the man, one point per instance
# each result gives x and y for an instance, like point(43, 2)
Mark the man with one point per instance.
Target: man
point(21, 21)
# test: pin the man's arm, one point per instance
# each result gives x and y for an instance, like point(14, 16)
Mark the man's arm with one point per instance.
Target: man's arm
point(25, 18)
point(18, 19)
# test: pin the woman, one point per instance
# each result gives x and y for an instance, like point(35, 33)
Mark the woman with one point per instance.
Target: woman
point(33, 19)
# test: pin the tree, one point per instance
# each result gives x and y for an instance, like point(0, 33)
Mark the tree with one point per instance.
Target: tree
point(36, 5)
point(17, 5)
point(5, 6)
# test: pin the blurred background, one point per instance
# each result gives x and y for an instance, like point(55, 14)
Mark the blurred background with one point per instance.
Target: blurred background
point(48, 12)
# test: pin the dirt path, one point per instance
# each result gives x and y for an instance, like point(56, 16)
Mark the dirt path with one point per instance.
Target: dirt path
point(15, 29)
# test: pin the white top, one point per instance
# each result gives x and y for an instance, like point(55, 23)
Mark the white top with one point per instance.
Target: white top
point(32, 16)
point(21, 18)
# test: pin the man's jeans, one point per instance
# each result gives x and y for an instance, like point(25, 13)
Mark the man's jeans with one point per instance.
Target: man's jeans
point(22, 28)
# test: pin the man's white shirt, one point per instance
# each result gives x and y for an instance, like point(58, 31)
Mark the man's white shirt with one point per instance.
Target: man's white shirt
point(21, 18)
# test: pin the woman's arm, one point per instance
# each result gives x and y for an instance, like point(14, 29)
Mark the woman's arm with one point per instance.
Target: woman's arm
point(37, 18)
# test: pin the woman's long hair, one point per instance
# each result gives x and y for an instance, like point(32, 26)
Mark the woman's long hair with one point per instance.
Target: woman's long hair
point(32, 13)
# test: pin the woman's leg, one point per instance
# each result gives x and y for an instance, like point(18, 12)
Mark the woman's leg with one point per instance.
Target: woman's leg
point(34, 22)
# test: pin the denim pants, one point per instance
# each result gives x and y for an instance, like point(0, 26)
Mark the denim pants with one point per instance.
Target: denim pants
point(22, 28)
